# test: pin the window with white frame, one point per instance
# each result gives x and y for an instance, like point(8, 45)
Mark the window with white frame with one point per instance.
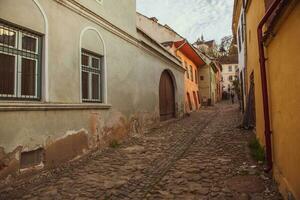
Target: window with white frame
point(20, 63)
point(230, 68)
point(91, 68)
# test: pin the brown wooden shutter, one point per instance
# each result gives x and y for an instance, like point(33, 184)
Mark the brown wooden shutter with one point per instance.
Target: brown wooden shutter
point(28, 77)
point(95, 86)
point(7, 74)
point(85, 87)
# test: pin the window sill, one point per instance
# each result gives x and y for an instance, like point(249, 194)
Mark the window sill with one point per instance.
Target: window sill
point(52, 106)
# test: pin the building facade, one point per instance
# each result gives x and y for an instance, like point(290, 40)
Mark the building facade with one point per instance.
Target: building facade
point(230, 68)
point(192, 62)
point(161, 33)
point(272, 46)
point(63, 80)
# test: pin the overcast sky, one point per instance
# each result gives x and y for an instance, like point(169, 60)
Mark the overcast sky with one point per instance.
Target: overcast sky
point(192, 18)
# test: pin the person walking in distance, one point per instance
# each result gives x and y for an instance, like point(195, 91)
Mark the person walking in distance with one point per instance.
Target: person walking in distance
point(232, 97)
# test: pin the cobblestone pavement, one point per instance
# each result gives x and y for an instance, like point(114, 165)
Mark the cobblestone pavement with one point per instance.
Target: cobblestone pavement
point(203, 156)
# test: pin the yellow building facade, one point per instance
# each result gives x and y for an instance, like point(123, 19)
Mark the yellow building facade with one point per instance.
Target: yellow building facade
point(282, 47)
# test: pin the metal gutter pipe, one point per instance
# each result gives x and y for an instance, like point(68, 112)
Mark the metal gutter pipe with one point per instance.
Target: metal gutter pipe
point(264, 84)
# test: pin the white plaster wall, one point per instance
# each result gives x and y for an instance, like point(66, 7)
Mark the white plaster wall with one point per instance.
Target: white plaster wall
point(133, 76)
point(120, 13)
point(15, 11)
point(155, 30)
point(242, 53)
point(226, 73)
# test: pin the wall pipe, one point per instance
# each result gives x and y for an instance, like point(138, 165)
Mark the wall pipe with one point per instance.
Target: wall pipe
point(264, 84)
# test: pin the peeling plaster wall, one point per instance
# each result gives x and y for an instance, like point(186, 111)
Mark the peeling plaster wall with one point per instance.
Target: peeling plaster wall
point(133, 75)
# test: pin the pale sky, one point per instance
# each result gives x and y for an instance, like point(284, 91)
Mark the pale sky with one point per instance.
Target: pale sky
point(192, 18)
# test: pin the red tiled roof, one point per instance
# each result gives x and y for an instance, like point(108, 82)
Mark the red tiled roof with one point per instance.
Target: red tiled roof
point(188, 50)
point(232, 59)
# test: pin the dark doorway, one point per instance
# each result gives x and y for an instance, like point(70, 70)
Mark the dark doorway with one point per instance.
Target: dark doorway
point(166, 97)
point(195, 100)
point(249, 120)
point(189, 101)
point(242, 93)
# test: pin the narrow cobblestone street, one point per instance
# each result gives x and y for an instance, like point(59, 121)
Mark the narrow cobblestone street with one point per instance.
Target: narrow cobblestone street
point(203, 156)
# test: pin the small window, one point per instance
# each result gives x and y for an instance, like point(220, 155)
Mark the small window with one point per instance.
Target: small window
point(187, 70)
point(230, 68)
point(202, 78)
point(91, 77)
point(29, 43)
point(20, 64)
point(239, 39)
point(242, 28)
point(191, 71)
point(32, 158)
point(8, 36)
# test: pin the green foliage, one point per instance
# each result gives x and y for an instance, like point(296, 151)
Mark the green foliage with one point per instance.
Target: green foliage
point(114, 144)
point(257, 151)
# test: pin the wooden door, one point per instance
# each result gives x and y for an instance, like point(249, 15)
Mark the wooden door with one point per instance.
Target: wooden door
point(166, 97)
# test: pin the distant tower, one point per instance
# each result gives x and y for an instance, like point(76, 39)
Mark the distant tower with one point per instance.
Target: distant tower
point(202, 38)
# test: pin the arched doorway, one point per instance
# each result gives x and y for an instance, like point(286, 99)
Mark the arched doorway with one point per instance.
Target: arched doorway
point(166, 97)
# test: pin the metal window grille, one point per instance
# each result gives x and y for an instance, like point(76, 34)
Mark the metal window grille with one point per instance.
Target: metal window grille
point(91, 77)
point(20, 64)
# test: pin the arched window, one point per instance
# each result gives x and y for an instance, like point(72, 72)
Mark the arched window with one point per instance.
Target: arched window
point(92, 68)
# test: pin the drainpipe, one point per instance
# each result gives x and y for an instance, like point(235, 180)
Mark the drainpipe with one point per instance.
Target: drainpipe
point(262, 61)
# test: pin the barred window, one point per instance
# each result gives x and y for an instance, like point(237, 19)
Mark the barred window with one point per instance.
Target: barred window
point(91, 67)
point(20, 64)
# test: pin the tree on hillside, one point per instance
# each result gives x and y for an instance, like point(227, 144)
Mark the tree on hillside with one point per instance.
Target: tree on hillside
point(227, 46)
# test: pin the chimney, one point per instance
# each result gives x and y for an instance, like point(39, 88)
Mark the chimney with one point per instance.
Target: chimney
point(154, 19)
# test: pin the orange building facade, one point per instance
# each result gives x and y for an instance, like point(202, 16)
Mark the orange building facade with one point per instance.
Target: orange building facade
point(191, 61)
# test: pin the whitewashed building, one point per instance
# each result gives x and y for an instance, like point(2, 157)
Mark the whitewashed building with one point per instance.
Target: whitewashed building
point(76, 75)
point(230, 71)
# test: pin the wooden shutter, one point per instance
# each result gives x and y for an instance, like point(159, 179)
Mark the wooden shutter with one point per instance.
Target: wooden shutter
point(28, 77)
point(7, 74)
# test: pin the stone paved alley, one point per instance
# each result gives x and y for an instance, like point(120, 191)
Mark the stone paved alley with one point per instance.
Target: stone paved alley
point(203, 156)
